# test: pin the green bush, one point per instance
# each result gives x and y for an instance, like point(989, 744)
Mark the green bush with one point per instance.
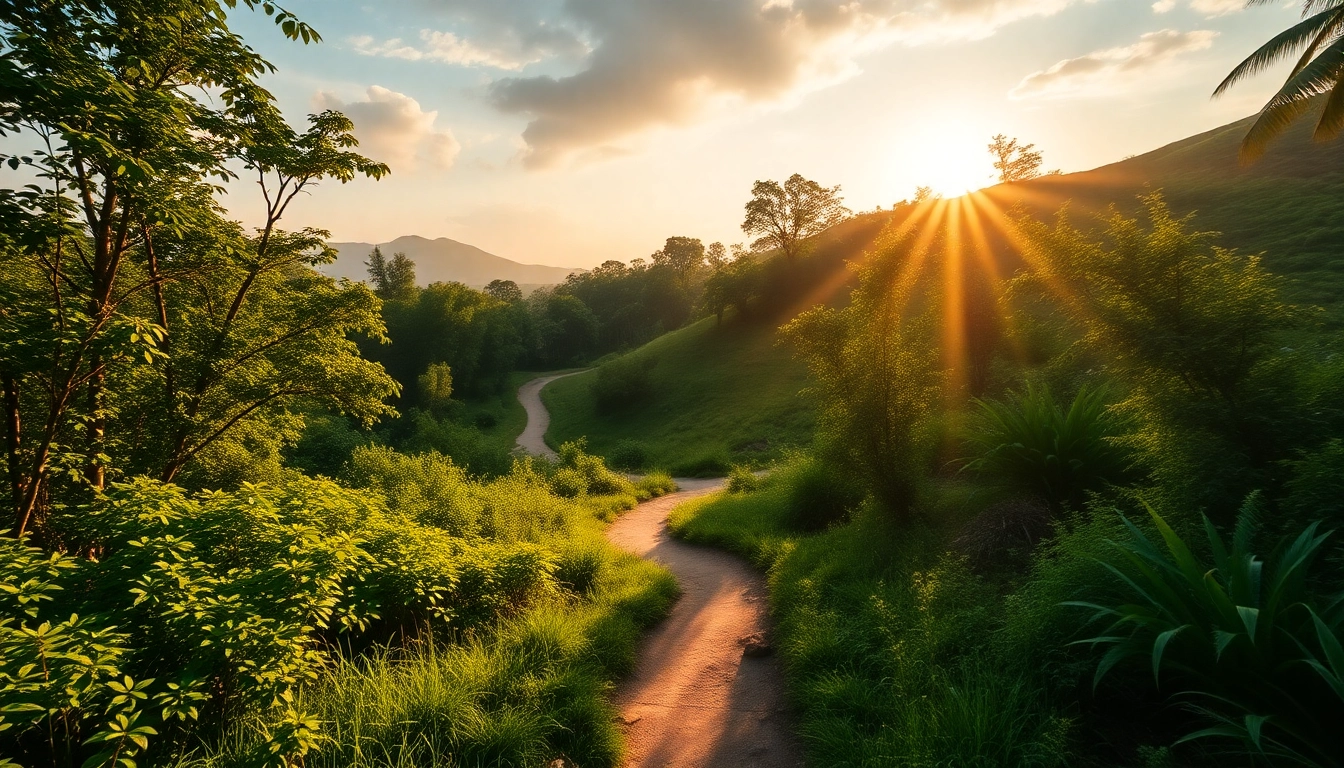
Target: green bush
point(1247, 643)
point(742, 480)
point(629, 455)
point(818, 495)
point(655, 484)
point(624, 383)
point(580, 469)
point(1030, 445)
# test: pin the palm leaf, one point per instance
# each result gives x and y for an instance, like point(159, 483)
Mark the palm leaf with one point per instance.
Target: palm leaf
point(1281, 46)
point(1292, 100)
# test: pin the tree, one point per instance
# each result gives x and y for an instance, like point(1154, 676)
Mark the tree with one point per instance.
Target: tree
point(1014, 161)
point(393, 279)
point(716, 255)
point(1319, 38)
point(925, 194)
point(435, 386)
point(506, 291)
point(784, 215)
point(126, 155)
point(682, 255)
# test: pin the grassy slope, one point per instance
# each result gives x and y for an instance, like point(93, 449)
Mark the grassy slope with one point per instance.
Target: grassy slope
point(696, 422)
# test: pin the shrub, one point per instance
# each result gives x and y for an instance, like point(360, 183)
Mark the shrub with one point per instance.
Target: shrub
point(629, 455)
point(1003, 532)
point(742, 480)
point(1247, 643)
point(656, 484)
point(1029, 444)
point(818, 495)
point(624, 383)
point(577, 473)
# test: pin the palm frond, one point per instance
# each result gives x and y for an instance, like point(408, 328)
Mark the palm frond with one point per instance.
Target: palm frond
point(1312, 30)
point(1293, 99)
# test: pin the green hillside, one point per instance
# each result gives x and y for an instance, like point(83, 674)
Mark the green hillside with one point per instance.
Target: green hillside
point(731, 394)
point(720, 395)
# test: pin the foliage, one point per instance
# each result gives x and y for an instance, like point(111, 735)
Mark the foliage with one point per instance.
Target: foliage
point(785, 215)
point(1013, 161)
point(624, 383)
point(1316, 42)
point(392, 279)
point(629, 455)
point(578, 473)
point(1029, 444)
point(435, 386)
point(742, 480)
point(819, 495)
point(656, 484)
point(1248, 643)
point(132, 307)
point(1186, 326)
point(875, 380)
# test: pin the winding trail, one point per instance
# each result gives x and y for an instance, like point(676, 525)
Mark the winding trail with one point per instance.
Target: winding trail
point(695, 699)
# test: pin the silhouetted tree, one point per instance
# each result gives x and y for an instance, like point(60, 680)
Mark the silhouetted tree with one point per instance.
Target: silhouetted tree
point(1014, 161)
point(785, 215)
point(682, 255)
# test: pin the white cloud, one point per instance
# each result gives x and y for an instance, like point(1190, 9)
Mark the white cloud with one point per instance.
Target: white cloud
point(668, 62)
point(1212, 8)
point(444, 47)
point(1108, 70)
point(1162, 6)
point(392, 128)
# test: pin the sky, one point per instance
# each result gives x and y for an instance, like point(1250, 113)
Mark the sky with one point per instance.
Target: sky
point(569, 132)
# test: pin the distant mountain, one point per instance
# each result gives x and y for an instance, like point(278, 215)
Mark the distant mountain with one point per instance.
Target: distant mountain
point(445, 260)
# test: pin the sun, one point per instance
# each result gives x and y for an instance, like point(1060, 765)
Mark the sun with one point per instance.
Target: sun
point(948, 157)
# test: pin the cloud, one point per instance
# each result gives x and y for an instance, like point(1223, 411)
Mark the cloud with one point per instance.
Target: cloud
point(392, 128)
point(1162, 6)
point(670, 62)
point(1212, 8)
point(448, 48)
point(1104, 71)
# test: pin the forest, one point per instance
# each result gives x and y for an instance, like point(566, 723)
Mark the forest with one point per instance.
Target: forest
point(1025, 482)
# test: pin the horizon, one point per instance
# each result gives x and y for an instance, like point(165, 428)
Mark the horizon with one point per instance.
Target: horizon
point(526, 132)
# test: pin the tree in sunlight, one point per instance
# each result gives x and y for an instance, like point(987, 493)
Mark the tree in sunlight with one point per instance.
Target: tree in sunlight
point(1014, 161)
point(682, 255)
point(924, 194)
point(1318, 42)
point(784, 215)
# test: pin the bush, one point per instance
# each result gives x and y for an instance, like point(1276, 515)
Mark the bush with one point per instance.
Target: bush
point(1248, 644)
point(629, 455)
point(1004, 532)
point(577, 473)
point(818, 495)
point(742, 480)
point(655, 484)
point(1029, 444)
point(624, 383)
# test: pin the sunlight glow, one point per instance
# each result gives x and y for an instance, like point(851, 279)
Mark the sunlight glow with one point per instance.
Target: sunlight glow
point(949, 157)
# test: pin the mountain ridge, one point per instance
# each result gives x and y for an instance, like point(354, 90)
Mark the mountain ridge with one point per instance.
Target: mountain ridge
point(443, 259)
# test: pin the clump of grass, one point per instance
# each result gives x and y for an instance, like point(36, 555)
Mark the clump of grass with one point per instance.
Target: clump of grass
point(742, 480)
point(655, 484)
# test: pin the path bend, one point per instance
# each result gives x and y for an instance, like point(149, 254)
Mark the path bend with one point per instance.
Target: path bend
point(694, 700)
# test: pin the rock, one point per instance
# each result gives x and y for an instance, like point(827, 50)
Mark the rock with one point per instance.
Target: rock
point(755, 646)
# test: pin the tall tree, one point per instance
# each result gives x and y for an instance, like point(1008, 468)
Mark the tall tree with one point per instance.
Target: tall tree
point(1318, 42)
point(784, 215)
point(506, 291)
point(393, 279)
point(683, 255)
point(125, 158)
point(1014, 161)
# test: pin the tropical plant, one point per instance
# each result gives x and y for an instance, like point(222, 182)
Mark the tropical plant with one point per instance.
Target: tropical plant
point(1318, 42)
point(1029, 444)
point(1247, 643)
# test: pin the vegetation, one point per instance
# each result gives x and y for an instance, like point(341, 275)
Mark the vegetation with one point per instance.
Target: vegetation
point(786, 215)
point(1013, 161)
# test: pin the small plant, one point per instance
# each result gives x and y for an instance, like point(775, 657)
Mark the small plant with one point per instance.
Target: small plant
point(578, 472)
point(656, 484)
point(1244, 641)
point(742, 480)
point(819, 495)
point(629, 455)
point(1029, 444)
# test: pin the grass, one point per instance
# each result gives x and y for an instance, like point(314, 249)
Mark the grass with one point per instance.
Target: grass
point(887, 640)
point(500, 417)
point(719, 396)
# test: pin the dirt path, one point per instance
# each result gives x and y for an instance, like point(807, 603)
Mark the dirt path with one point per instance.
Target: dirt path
point(533, 439)
point(695, 700)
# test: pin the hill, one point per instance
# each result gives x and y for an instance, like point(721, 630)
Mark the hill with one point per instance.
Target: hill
point(720, 395)
point(445, 260)
point(731, 394)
